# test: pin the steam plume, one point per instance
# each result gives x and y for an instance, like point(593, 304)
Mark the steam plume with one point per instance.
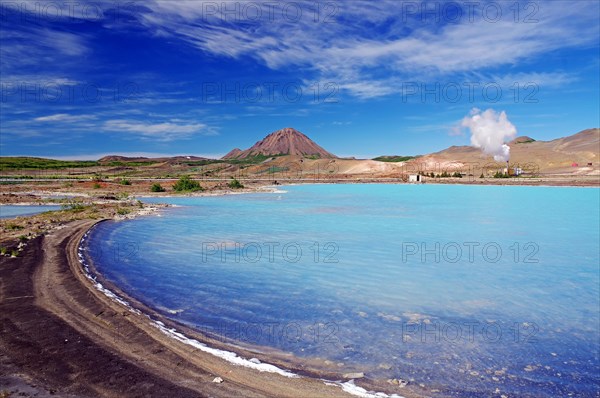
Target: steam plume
point(489, 131)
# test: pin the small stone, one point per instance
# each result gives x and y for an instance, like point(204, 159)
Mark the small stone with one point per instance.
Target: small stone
point(254, 360)
point(356, 375)
point(218, 380)
point(398, 382)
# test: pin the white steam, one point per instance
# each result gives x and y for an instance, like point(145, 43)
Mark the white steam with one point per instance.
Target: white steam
point(490, 131)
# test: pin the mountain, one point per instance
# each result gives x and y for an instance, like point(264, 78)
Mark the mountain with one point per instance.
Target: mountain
point(557, 156)
point(287, 141)
point(126, 159)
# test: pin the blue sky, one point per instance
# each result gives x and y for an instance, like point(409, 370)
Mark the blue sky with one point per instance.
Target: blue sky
point(361, 78)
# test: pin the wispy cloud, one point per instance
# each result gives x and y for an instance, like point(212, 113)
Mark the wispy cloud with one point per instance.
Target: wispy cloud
point(64, 117)
point(165, 131)
point(370, 65)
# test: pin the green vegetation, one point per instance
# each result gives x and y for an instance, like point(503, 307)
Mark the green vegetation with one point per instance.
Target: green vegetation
point(156, 187)
point(526, 141)
point(14, 227)
point(500, 174)
point(14, 253)
point(235, 184)
point(457, 175)
point(125, 182)
point(122, 212)
point(23, 238)
point(96, 185)
point(481, 176)
point(394, 158)
point(73, 206)
point(3, 251)
point(7, 163)
point(186, 184)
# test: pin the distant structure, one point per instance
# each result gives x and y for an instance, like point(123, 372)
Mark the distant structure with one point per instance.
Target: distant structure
point(414, 178)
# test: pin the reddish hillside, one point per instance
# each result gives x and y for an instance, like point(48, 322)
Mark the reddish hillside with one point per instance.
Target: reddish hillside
point(287, 141)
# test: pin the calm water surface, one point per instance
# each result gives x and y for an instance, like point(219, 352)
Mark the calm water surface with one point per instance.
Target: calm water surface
point(465, 289)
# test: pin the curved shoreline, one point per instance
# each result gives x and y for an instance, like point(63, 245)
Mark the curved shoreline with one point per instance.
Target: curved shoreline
point(270, 360)
point(62, 335)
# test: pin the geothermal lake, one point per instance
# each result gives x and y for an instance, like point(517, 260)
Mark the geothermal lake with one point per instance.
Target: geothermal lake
point(464, 289)
point(10, 211)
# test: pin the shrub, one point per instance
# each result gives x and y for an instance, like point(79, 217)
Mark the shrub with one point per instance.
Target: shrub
point(156, 187)
point(457, 174)
point(3, 251)
point(96, 185)
point(122, 211)
point(125, 182)
point(235, 184)
point(13, 227)
point(185, 183)
point(14, 253)
point(73, 206)
point(481, 176)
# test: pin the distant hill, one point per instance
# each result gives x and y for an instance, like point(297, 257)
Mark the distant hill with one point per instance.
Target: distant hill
point(141, 159)
point(559, 155)
point(287, 141)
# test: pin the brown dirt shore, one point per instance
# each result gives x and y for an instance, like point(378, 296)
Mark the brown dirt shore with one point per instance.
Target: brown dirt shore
point(60, 336)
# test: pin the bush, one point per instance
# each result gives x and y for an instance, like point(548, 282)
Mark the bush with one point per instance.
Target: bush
point(73, 205)
point(123, 212)
point(96, 185)
point(3, 251)
point(156, 187)
point(481, 176)
point(125, 182)
point(235, 184)
point(185, 183)
point(457, 174)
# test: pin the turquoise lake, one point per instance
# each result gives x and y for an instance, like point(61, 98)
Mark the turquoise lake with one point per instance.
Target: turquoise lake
point(464, 289)
point(10, 211)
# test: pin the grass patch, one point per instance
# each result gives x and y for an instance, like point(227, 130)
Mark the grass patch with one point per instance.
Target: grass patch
point(8, 163)
point(394, 159)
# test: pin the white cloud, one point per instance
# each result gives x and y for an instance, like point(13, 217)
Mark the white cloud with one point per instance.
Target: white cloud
point(64, 117)
point(166, 131)
point(369, 64)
